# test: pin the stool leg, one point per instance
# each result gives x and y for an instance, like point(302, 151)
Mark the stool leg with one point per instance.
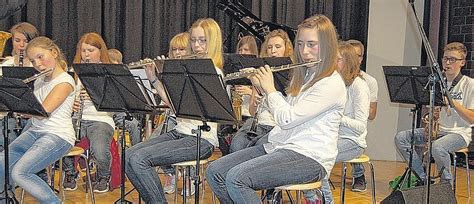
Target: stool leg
point(373, 182)
point(61, 179)
point(343, 182)
point(176, 172)
point(455, 173)
point(22, 196)
point(468, 175)
point(89, 182)
point(298, 197)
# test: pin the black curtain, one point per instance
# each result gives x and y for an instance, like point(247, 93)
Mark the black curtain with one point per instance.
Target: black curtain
point(143, 28)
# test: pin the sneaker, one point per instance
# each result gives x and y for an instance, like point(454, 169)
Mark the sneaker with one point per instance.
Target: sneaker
point(359, 184)
point(193, 190)
point(70, 183)
point(101, 186)
point(313, 200)
point(170, 184)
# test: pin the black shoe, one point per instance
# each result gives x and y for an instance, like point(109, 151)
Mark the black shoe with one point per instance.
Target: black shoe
point(70, 183)
point(102, 185)
point(359, 184)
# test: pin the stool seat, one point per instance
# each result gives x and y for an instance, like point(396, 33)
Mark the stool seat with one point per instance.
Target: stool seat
point(191, 163)
point(362, 159)
point(463, 150)
point(75, 151)
point(359, 160)
point(300, 187)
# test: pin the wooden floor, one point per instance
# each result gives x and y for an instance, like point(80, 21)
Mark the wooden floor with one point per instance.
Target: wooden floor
point(384, 172)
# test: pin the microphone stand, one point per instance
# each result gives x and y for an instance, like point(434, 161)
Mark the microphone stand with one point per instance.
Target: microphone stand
point(436, 77)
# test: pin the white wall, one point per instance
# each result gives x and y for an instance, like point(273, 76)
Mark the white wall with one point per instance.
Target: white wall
point(393, 39)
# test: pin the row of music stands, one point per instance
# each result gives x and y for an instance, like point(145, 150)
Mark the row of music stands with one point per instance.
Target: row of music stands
point(194, 88)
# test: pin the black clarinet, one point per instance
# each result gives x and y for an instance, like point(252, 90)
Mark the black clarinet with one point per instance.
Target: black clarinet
point(253, 128)
point(21, 58)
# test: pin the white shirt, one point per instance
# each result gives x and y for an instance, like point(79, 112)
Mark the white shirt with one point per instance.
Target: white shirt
point(373, 86)
point(309, 123)
point(451, 122)
point(89, 112)
point(356, 111)
point(59, 122)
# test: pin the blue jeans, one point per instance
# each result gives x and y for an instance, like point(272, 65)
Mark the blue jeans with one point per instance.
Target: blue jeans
point(30, 153)
point(100, 135)
point(347, 150)
point(241, 140)
point(132, 126)
point(164, 150)
point(234, 178)
point(442, 147)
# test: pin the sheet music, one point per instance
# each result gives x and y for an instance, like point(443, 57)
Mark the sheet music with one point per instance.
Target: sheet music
point(144, 84)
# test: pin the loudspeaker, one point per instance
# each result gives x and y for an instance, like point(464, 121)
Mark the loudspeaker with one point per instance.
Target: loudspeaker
point(439, 193)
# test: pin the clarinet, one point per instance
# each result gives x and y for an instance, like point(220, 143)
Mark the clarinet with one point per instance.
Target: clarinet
point(79, 117)
point(21, 57)
point(79, 112)
point(253, 128)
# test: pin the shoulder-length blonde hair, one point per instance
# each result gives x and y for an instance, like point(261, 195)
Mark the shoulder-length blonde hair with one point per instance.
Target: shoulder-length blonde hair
point(283, 35)
point(250, 41)
point(47, 44)
point(213, 39)
point(327, 53)
point(95, 40)
point(351, 65)
point(181, 41)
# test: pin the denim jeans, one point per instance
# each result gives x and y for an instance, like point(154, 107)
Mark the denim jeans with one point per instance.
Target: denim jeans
point(241, 140)
point(30, 153)
point(234, 178)
point(132, 126)
point(100, 135)
point(164, 150)
point(347, 150)
point(442, 147)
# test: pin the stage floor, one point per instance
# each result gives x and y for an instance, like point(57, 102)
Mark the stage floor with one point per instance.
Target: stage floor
point(384, 172)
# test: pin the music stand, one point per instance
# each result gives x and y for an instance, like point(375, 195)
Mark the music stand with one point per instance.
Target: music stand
point(408, 84)
point(15, 96)
point(197, 92)
point(113, 88)
point(19, 73)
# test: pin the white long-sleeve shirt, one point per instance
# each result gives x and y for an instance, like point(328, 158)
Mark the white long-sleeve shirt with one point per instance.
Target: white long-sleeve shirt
point(356, 112)
point(309, 123)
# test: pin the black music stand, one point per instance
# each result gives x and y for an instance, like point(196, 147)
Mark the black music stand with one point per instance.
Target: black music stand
point(19, 73)
point(409, 85)
point(16, 96)
point(113, 88)
point(197, 92)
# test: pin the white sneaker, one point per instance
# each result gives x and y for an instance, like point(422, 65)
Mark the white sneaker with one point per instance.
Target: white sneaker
point(193, 190)
point(170, 184)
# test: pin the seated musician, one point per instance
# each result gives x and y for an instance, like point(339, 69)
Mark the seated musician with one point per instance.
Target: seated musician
point(276, 44)
point(454, 131)
point(179, 144)
point(98, 127)
point(304, 141)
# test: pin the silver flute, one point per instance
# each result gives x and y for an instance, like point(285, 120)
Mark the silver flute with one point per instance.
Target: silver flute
point(246, 73)
point(36, 76)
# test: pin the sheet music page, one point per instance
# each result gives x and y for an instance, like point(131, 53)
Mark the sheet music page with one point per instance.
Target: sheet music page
point(140, 75)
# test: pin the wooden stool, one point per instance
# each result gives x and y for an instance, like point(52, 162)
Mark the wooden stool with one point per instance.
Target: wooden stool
point(187, 179)
point(361, 159)
point(464, 151)
point(301, 187)
point(76, 151)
